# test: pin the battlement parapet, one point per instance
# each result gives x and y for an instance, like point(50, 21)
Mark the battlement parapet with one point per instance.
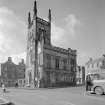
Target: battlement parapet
point(42, 21)
point(61, 50)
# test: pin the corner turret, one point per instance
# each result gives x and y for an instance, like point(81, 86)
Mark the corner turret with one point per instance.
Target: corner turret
point(49, 15)
point(29, 19)
point(35, 8)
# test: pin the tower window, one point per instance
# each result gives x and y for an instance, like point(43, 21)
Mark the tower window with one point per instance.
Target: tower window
point(57, 63)
point(65, 63)
point(48, 61)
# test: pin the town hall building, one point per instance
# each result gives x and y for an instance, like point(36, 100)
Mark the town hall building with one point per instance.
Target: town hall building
point(47, 65)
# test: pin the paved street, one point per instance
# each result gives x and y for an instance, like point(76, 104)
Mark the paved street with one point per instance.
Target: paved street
point(58, 96)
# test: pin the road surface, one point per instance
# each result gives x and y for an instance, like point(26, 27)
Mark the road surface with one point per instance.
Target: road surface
point(57, 96)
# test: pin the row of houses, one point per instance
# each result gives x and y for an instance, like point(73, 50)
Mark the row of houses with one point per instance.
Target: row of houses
point(10, 73)
point(95, 65)
point(92, 66)
point(80, 75)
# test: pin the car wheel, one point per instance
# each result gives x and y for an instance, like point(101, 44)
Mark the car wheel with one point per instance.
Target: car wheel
point(99, 90)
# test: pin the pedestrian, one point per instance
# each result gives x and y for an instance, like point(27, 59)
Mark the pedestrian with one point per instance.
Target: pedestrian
point(16, 85)
point(88, 83)
point(3, 88)
point(1, 84)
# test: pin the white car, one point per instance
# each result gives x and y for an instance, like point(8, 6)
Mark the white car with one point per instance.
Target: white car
point(98, 83)
point(98, 86)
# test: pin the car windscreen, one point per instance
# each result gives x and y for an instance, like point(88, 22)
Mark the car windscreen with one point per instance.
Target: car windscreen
point(98, 76)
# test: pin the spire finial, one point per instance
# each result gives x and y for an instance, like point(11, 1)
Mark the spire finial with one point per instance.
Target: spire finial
point(29, 18)
point(35, 8)
point(49, 15)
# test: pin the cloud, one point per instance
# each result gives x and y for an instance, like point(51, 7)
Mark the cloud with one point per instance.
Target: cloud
point(83, 57)
point(62, 35)
point(72, 24)
point(57, 34)
point(12, 33)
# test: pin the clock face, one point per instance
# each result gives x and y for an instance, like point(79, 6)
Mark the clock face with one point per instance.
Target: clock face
point(39, 47)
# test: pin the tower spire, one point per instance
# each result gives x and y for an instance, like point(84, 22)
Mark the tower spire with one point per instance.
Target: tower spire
point(49, 15)
point(29, 18)
point(35, 8)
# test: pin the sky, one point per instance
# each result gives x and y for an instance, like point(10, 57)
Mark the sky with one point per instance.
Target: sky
point(76, 24)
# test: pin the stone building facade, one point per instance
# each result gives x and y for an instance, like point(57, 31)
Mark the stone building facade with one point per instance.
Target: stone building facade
point(95, 65)
point(21, 67)
point(80, 75)
point(47, 65)
point(8, 73)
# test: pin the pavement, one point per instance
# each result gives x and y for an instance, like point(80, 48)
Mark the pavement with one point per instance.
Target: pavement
point(54, 96)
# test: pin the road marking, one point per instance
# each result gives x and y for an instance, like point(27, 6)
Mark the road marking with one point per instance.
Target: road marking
point(65, 103)
point(43, 97)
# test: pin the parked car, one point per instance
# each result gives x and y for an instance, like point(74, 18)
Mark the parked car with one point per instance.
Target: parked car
point(98, 83)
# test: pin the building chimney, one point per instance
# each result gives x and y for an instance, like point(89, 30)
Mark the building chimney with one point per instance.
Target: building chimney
point(22, 61)
point(9, 59)
point(70, 50)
